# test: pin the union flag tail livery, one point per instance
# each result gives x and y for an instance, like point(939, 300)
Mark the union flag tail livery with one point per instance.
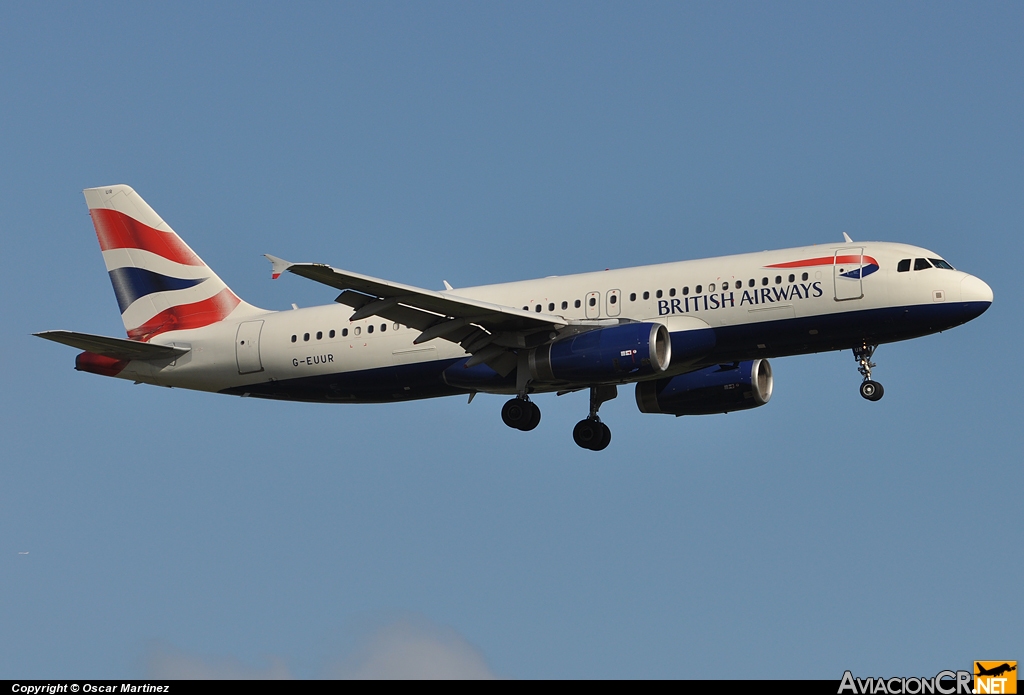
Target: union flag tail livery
point(160, 283)
point(693, 336)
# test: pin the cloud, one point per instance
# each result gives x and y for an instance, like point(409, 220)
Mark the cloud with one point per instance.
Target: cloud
point(408, 648)
point(416, 649)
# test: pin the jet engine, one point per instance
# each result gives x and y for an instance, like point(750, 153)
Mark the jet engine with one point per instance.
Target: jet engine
point(720, 389)
point(604, 354)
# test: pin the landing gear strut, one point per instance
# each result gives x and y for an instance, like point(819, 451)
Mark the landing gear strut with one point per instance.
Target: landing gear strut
point(520, 413)
point(591, 433)
point(871, 390)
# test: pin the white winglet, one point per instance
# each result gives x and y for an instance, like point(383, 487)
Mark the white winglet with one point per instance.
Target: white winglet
point(847, 238)
point(277, 265)
point(446, 285)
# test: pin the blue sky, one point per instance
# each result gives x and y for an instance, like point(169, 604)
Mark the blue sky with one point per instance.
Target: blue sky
point(177, 533)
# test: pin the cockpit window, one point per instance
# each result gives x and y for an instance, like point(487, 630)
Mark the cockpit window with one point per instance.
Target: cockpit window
point(921, 264)
point(939, 263)
point(903, 266)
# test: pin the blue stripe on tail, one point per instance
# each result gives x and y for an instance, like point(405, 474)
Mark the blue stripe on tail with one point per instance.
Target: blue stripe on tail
point(131, 283)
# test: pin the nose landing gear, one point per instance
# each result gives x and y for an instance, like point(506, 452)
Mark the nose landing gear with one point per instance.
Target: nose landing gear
point(520, 413)
point(591, 433)
point(871, 390)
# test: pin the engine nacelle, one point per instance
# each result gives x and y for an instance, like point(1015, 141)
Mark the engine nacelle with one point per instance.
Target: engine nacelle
point(720, 389)
point(604, 354)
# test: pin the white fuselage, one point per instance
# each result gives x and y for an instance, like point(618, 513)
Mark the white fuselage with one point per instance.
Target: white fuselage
point(756, 310)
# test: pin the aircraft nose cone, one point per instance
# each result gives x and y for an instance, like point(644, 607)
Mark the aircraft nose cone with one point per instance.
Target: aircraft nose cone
point(974, 289)
point(975, 297)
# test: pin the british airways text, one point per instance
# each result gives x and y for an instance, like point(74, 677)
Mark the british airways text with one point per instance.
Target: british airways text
point(761, 295)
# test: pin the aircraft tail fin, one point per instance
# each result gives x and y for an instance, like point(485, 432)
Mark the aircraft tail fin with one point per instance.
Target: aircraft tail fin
point(160, 283)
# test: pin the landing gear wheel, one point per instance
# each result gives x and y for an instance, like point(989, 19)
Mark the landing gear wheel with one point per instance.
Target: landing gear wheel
point(534, 417)
point(520, 414)
point(591, 434)
point(872, 390)
point(869, 389)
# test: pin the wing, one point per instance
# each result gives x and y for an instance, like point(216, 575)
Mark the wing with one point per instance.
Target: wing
point(485, 330)
point(118, 348)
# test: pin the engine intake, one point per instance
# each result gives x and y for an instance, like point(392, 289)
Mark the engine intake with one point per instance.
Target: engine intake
point(719, 389)
point(604, 354)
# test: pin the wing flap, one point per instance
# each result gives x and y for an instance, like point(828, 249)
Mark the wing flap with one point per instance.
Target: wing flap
point(118, 348)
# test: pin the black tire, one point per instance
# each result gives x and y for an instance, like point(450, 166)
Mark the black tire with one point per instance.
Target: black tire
point(588, 434)
point(532, 419)
point(871, 390)
point(606, 438)
point(514, 412)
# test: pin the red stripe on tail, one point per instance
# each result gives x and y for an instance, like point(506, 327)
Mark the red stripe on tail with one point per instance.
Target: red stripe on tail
point(185, 316)
point(116, 230)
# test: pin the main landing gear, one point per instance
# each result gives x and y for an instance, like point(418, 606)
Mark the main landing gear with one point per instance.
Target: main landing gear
point(591, 433)
point(520, 413)
point(871, 390)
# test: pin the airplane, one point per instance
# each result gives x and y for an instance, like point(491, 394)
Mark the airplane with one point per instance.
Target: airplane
point(995, 671)
point(694, 336)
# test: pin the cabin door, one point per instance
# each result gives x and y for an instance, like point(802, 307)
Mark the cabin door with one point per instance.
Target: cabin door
point(846, 274)
point(247, 347)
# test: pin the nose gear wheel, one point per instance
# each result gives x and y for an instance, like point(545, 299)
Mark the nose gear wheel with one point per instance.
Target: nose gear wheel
point(869, 389)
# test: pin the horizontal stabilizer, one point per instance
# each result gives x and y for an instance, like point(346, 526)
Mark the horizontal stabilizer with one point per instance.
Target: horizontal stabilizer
point(118, 348)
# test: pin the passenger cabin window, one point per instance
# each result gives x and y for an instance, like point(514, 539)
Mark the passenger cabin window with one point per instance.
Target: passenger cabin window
point(613, 299)
point(764, 281)
point(686, 291)
point(647, 295)
point(344, 332)
point(804, 277)
point(698, 288)
point(305, 336)
point(294, 338)
point(331, 334)
point(751, 282)
point(369, 329)
point(792, 278)
point(672, 292)
point(577, 304)
point(921, 264)
point(593, 301)
point(632, 296)
point(383, 327)
point(903, 266)
point(939, 263)
point(659, 294)
point(551, 306)
point(357, 330)
point(537, 308)
point(565, 305)
point(778, 279)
